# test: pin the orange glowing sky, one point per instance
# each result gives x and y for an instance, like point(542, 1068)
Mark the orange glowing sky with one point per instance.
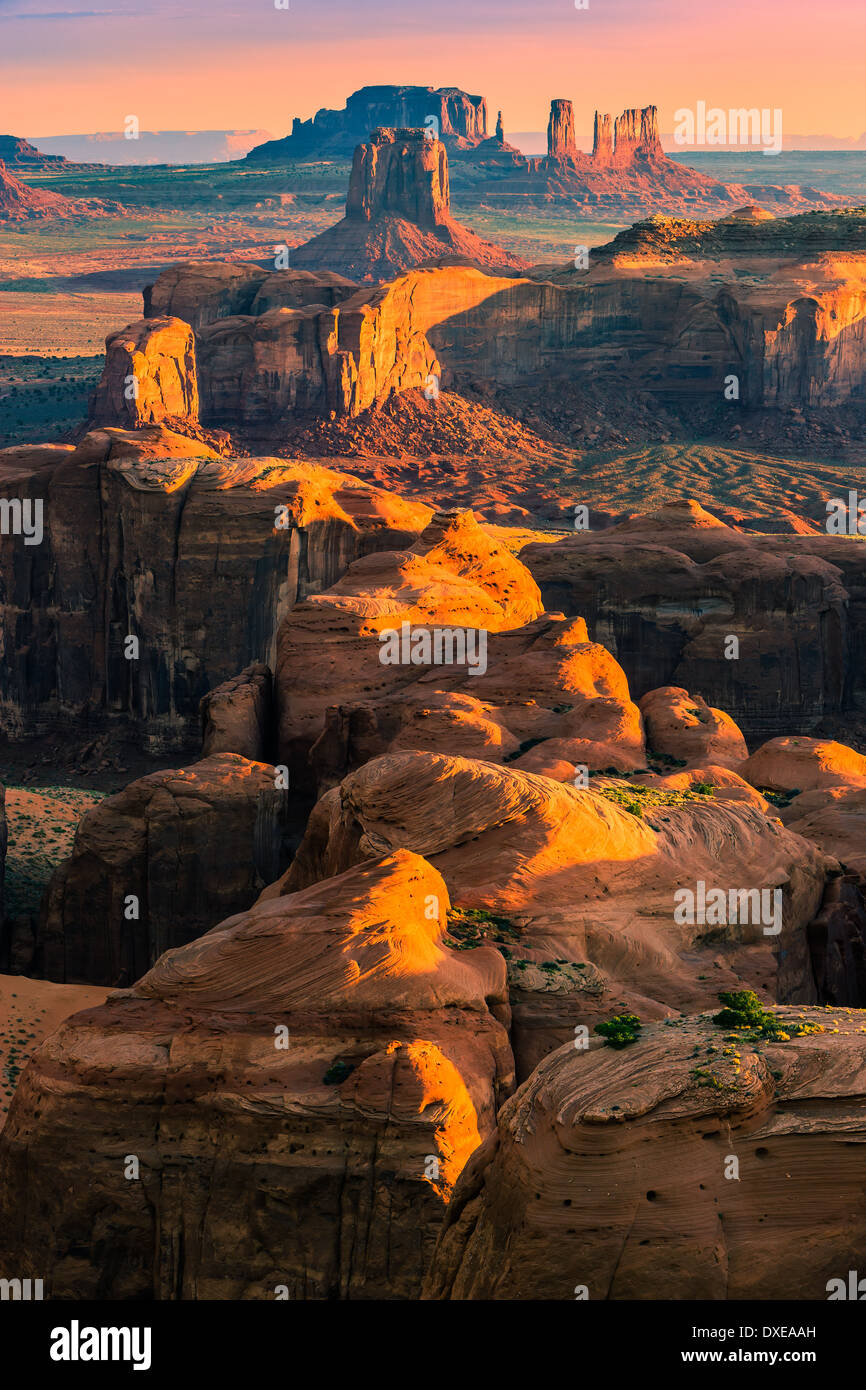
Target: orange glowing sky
point(222, 64)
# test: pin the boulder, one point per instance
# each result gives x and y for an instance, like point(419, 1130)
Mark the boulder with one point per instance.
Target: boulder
point(684, 727)
point(804, 764)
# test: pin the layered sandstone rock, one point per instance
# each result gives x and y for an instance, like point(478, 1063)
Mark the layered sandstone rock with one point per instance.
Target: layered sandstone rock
point(150, 535)
point(787, 325)
point(765, 627)
point(611, 1175)
point(398, 214)
point(330, 649)
point(461, 120)
point(160, 863)
point(805, 764)
point(629, 174)
point(602, 139)
point(400, 173)
point(301, 1088)
point(685, 727)
point(835, 819)
point(560, 130)
point(588, 884)
point(149, 375)
point(237, 717)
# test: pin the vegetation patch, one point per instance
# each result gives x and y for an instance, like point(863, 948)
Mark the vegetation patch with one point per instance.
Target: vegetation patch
point(469, 927)
point(620, 1030)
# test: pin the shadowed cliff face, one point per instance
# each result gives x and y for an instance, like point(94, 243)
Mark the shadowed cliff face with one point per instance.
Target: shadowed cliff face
point(152, 536)
point(679, 583)
point(789, 331)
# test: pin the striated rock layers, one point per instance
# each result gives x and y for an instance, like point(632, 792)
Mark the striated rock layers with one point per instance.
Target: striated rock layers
point(301, 1087)
point(158, 864)
point(398, 214)
point(152, 536)
point(792, 332)
point(678, 584)
point(580, 885)
point(610, 1176)
point(461, 121)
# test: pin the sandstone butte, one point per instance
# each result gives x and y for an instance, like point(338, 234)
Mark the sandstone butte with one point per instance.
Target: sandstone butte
point(461, 119)
point(398, 214)
point(626, 173)
point(447, 922)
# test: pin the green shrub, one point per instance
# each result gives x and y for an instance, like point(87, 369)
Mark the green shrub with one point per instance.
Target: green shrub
point(620, 1030)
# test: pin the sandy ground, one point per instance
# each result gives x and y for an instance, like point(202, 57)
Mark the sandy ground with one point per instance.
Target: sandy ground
point(62, 325)
point(42, 826)
point(29, 1011)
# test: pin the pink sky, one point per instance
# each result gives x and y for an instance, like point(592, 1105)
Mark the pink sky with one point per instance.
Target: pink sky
point(217, 64)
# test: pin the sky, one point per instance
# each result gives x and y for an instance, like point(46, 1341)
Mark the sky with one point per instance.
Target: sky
point(67, 68)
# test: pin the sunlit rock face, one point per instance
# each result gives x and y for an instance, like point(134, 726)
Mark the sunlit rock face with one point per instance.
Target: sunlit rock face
point(583, 887)
point(301, 1087)
point(689, 1164)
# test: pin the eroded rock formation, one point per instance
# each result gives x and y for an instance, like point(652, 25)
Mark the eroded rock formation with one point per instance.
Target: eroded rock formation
point(461, 120)
point(398, 214)
point(586, 882)
point(610, 1173)
point(560, 130)
point(159, 864)
point(151, 535)
point(301, 1088)
point(679, 584)
point(787, 325)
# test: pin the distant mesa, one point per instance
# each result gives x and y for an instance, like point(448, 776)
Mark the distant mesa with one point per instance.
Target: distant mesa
point(398, 214)
point(750, 213)
point(20, 203)
point(629, 174)
point(461, 118)
point(17, 153)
